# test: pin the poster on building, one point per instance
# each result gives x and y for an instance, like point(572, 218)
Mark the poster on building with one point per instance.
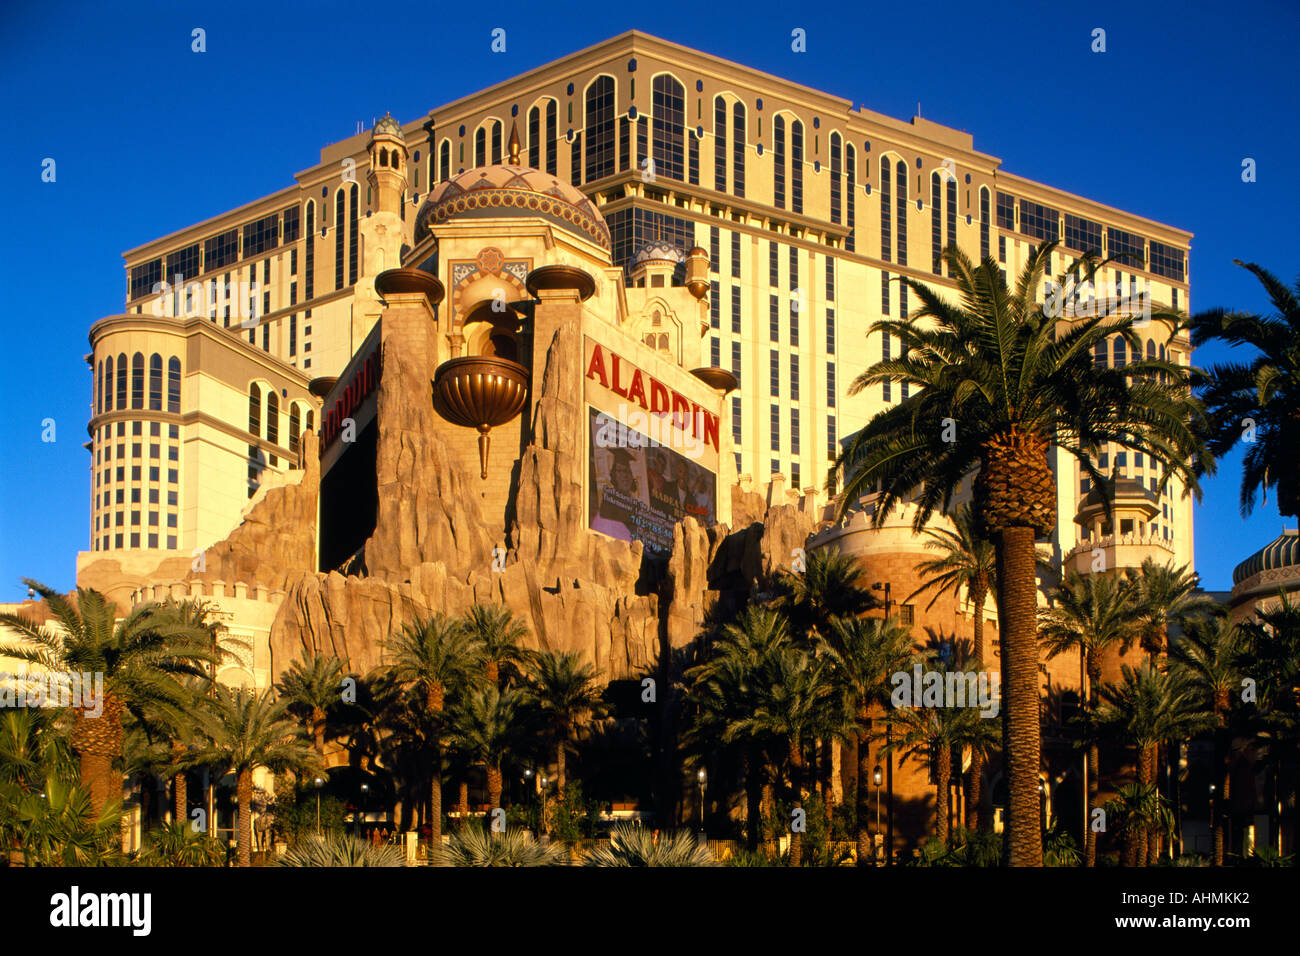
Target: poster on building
point(639, 489)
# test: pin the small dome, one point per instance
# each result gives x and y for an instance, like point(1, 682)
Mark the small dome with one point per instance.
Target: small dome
point(505, 191)
point(388, 125)
point(658, 251)
point(1283, 551)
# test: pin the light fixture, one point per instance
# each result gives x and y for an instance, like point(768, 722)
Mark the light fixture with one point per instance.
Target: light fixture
point(320, 782)
point(877, 776)
point(701, 776)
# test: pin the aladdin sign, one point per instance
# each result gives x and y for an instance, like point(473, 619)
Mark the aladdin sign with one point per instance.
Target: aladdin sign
point(618, 375)
point(359, 387)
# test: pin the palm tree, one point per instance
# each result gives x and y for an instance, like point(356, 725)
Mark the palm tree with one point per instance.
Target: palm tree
point(1166, 596)
point(1001, 383)
point(863, 653)
point(33, 748)
point(1147, 707)
point(829, 588)
point(60, 826)
point(1275, 644)
point(139, 657)
point(500, 636)
point(341, 850)
point(1090, 614)
point(1138, 810)
point(488, 725)
point(930, 734)
point(1257, 402)
point(794, 700)
point(246, 731)
point(428, 657)
point(312, 688)
point(474, 846)
point(1208, 658)
point(631, 845)
point(565, 692)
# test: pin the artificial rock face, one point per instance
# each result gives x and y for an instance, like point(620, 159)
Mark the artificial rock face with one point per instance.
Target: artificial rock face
point(432, 549)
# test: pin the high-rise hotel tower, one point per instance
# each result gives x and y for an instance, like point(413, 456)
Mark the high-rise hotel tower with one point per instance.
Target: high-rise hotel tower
point(806, 205)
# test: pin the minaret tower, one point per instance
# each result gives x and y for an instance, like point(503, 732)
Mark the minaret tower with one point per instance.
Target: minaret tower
point(387, 176)
point(384, 229)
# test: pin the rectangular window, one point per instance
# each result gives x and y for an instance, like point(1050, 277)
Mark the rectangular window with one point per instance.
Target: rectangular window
point(1129, 248)
point(735, 309)
point(144, 278)
point(774, 318)
point(715, 249)
point(261, 235)
point(832, 445)
point(184, 262)
point(735, 423)
point(1081, 234)
point(715, 307)
point(830, 384)
point(830, 331)
point(885, 356)
point(735, 360)
point(1167, 261)
point(884, 293)
point(794, 378)
point(775, 421)
point(773, 265)
point(291, 230)
point(830, 279)
point(715, 352)
point(1006, 211)
point(1041, 222)
point(794, 268)
point(1002, 248)
point(774, 373)
point(794, 431)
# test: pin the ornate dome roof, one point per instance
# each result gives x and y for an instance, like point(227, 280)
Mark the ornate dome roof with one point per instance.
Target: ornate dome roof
point(1283, 551)
point(388, 125)
point(658, 251)
point(488, 192)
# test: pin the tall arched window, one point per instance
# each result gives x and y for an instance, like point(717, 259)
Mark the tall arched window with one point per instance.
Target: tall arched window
point(352, 235)
point(900, 208)
point(837, 161)
point(307, 422)
point(599, 123)
point(535, 138)
point(669, 123)
point(951, 214)
point(121, 381)
point(273, 417)
point(309, 255)
point(552, 137)
point(340, 210)
point(886, 209)
point(155, 382)
point(1099, 354)
point(1119, 352)
point(693, 159)
point(480, 146)
point(738, 149)
point(496, 142)
point(778, 161)
point(1151, 350)
point(108, 385)
point(99, 389)
point(720, 144)
point(851, 165)
point(295, 426)
point(254, 410)
point(444, 161)
point(796, 166)
point(936, 222)
point(984, 223)
point(173, 384)
point(137, 380)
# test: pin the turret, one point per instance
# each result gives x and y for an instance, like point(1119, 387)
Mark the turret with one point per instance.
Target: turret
point(387, 176)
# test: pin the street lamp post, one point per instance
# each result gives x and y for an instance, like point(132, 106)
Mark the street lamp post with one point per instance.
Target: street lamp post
point(702, 777)
point(365, 789)
point(876, 779)
point(889, 744)
point(320, 782)
point(543, 781)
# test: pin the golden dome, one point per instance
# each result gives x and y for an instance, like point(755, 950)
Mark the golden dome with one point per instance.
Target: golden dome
point(489, 192)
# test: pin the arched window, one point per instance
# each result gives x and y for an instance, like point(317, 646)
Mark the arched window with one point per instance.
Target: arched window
point(599, 123)
point(397, 163)
point(669, 123)
point(693, 158)
point(496, 142)
point(155, 382)
point(383, 157)
point(851, 165)
point(121, 381)
point(1151, 350)
point(1099, 354)
point(535, 138)
point(295, 425)
point(951, 214)
point(796, 166)
point(309, 254)
point(273, 417)
point(352, 236)
point(1119, 353)
point(254, 410)
point(99, 388)
point(480, 146)
point(173, 384)
point(552, 137)
point(340, 210)
point(307, 422)
point(900, 208)
point(936, 222)
point(137, 380)
point(886, 209)
point(108, 385)
point(837, 162)
point(738, 149)
point(720, 144)
point(444, 161)
point(984, 222)
point(778, 161)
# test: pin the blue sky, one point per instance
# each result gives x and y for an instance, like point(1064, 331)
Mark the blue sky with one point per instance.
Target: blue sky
point(149, 137)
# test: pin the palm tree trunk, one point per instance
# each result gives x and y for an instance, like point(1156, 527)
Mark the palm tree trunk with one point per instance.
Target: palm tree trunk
point(796, 784)
point(180, 789)
point(435, 800)
point(559, 764)
point(1218, 806)
point(97, 775)
point(1147, 777)
point(1094, 792)
point(865, 849)
point(494, 784)
point(463, 802)
point(318, 729)
point(244, 796)
point(1018, 607)
point(975, 784)
point(943, 770)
